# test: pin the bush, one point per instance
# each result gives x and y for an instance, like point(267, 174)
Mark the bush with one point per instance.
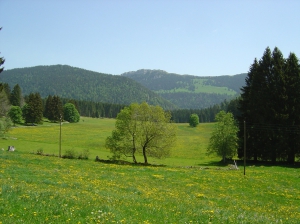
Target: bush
point(194, 120)
point(69, 154)
point(84, 154)
point(40, 151)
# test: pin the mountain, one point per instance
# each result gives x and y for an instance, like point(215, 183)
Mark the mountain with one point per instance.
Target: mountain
point(187, 91)
point(75, 83)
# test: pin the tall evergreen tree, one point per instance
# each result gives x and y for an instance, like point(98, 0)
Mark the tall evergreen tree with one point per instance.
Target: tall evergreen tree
point(33, 109)
point(268, 104)
point(292, 81)
point(56, 113)
point(47, 109)
point(16, 98)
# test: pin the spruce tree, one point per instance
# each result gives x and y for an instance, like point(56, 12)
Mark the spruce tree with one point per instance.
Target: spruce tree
point(33, 109)
point(292, 81)
point(47, 110)
point(269, 104)
point(16, 98)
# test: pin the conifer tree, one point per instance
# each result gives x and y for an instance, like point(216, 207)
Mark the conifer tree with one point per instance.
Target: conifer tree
point(33, 109)
point(16, 98)
point(292, 81)
point(269, 104)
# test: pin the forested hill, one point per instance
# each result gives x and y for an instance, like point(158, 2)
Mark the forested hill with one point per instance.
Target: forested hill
point(187, 91)
point(79, 84)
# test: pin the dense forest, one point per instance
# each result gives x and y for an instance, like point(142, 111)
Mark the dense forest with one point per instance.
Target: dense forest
point(187, 91)
point(79, 84)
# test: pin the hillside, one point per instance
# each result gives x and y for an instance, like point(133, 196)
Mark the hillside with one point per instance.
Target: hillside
point(187, 91)
point(75, 83)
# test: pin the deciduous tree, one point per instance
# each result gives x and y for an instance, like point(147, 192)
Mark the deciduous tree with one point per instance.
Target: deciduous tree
point(15, 114)
point(194, 120)
point(224, 141)
point(145, 129)
point(70, 113)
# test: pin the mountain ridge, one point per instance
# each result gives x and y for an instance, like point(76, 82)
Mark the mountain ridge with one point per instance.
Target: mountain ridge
point(157, 87)
point(80, 84)
point(189, 91)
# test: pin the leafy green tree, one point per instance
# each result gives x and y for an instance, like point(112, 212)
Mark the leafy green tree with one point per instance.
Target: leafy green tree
point(224, 141)
point(16, 98)
point(15, 114)
point(122, 142)
point(33, 110)
point(70, 113)
point(194, 120)
point(145, 129)
point(4, 102)
point(5, 125)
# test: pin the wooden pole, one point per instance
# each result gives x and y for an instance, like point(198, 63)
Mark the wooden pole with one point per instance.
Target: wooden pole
point(244, 148)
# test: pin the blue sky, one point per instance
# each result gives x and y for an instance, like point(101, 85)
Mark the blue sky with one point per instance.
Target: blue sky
point(195, 37)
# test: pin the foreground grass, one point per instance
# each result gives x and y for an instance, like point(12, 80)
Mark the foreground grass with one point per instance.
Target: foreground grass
point(40, 189)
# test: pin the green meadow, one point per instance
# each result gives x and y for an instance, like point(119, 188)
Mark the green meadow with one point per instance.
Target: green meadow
point(189, 188)
point(201, 87)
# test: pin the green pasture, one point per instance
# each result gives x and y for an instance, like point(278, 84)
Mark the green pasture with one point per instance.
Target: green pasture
point(187, 189)
point(200, 87)
point(90, 133)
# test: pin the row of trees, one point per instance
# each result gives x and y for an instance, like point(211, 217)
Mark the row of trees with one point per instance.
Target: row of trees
point(270, 105)
point(33, 110)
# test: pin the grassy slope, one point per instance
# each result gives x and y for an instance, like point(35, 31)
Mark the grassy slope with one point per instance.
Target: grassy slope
point(40, 189)
point(200, 87)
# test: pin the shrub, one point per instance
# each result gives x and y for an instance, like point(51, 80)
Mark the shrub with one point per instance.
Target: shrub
point(40, 151)
point(194, 120)
point(84, 154)
point(69, 154)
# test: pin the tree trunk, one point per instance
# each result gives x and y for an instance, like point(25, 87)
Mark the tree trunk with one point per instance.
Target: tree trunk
point(144, 154)
point(133, 157)
point(224, 158)
point(291, 157)
point(133, 150)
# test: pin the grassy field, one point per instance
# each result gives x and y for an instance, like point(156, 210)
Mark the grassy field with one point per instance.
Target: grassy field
point(189, 189)
point(200, 87)
point(91, 133)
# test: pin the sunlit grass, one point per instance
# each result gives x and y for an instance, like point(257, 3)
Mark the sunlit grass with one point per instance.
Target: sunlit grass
point(39, 189)
point(90, 133)
point(45, 189)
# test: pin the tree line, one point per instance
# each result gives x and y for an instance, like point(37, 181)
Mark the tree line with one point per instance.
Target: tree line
point(270, 107)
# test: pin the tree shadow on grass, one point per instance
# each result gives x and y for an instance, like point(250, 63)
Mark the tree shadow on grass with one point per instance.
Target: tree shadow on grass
point(270, 163)
point(240, 163)
point(123, 162)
